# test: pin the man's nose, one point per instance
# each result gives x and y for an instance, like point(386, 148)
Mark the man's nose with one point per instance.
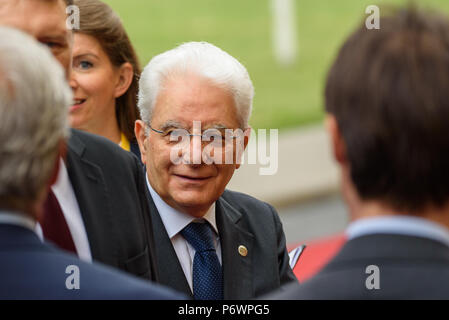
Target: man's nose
point(196, 149)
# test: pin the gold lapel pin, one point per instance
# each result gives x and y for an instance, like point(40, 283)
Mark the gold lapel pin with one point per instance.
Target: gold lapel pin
point(243, 251)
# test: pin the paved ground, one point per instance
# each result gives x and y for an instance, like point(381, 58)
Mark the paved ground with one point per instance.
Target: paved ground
point(314, 219)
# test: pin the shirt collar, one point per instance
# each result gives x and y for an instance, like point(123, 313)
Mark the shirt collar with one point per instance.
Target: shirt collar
point(174, 220)
point(405, 225)
point(17, 219)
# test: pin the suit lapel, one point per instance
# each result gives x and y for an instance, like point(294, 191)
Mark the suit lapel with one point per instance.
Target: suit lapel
point(170, 272)
point(237, 268)
point(92, 196)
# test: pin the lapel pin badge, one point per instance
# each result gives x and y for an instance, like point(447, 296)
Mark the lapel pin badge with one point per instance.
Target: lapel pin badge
point(243, 251)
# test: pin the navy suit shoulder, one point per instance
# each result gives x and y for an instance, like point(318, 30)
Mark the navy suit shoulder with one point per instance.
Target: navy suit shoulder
point(408, 267)
point(31, 269)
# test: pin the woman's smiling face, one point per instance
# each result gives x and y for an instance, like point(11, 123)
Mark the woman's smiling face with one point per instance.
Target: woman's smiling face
point(94, 81)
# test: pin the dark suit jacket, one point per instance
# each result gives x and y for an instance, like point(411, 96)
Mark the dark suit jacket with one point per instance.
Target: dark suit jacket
point(409, 268)
point(110, 188)
point(241, 220)
point(30, 269)
point(134, 148)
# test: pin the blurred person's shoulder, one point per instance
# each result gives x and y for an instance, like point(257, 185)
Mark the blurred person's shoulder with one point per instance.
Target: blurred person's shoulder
point(105, 282)
point(64, 276)
point(378, 266)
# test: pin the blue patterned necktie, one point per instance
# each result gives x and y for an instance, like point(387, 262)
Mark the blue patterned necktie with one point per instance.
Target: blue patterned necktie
point(207, 272)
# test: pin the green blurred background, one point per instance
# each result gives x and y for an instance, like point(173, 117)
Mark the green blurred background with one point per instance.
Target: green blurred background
point(285, 96)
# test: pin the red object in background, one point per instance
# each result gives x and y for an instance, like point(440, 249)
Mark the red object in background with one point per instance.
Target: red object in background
point(316, 255)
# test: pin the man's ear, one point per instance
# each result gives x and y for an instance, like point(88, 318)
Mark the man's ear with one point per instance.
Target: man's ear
point(337, 143)
point(139, 131)
point(246, 137)
point(125, 78)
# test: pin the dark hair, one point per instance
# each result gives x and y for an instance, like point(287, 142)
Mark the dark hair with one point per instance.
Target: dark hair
point(98, 20)
point(389, 92)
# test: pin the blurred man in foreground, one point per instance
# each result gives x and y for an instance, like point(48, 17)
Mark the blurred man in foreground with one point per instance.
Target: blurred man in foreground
point(34, 98)
point(388, 108)
point(97, 207)
point(195, 102)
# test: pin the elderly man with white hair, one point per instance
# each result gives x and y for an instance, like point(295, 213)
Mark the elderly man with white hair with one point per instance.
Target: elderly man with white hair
point(34, 101)
point(195, 102)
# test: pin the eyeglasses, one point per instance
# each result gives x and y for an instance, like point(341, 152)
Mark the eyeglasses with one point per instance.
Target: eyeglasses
point(216, 137)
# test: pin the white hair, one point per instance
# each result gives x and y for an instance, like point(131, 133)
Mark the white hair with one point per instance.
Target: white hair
point(34, 101)
point(205, 60)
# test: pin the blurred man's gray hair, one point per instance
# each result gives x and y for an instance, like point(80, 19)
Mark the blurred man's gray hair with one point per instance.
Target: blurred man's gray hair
point(34, 102)
point(202, 59)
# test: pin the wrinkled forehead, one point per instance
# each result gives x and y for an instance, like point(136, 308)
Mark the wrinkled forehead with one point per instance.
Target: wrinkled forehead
point(39, 18)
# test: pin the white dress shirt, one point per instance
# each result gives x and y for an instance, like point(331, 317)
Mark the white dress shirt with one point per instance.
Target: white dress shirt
point(174, 221)
point(402, 225)
point(63, 191)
